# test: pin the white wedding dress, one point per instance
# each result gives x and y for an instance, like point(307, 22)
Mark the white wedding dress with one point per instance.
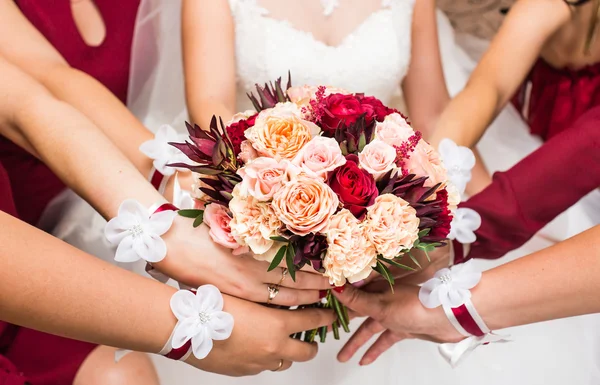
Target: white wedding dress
point(373, 59)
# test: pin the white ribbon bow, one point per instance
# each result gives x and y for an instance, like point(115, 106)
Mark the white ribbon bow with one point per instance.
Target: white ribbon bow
point(200, 318)
point(162, 153)
point(464, 224)
point(454, 353)
point(459, 161)
point(450, 286)
point(137, 233)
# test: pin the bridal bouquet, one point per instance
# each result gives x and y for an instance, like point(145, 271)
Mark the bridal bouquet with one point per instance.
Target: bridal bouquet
point(322, 177)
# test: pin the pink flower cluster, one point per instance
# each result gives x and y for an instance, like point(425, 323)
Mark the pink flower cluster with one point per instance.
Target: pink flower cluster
point(302, 177)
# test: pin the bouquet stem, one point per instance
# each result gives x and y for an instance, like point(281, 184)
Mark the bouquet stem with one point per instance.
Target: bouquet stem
point(342, 320)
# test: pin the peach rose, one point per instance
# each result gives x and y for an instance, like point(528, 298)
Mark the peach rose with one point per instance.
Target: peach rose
point(320, 156)
point(303, 95)
point(280, 133)
point(426, 161)
point(305, 205)
point(391, 225)
point(394, 130)
point(263, 177)
point(377, 158)
point(240, 116)
point(247, 153)
point(350, 255)
point(217, 218)
point(253, 223)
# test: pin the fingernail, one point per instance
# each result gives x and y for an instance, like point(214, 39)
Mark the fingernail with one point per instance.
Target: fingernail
point(339, 289)
point(322, 294)
point(359, 283)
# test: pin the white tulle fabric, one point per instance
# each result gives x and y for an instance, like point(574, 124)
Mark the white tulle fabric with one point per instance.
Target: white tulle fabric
point(138, 233)
point(200, 318)
point(267, 48)
point(450, 286)
point(162, 153)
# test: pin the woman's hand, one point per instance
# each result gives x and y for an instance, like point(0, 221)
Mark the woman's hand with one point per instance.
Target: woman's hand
point(261, 339)
point(397, 315)
point(194, 259)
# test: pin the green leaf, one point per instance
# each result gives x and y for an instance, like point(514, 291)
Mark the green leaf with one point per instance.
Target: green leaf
point(424, 233)
point(280, 239)
point(199, 219)
point(190, 213)
point(289, 260)
point(394, 263)
point(385, 273)
point(278, 258)
point(362, 141)
point(412, 257)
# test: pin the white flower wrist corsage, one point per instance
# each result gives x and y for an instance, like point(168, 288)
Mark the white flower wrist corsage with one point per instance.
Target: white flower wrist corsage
point(137, 232)
point(162, 154)
point(451, 289)
point(200, 321)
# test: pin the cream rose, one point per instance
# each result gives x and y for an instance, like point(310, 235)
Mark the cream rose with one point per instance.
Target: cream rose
point(199, 196)
point(305, 205)
point(280, 133)
point(377, 158)
point(240, 116)
point(394, 130)
point(391, 225)
point(253, 223)
point(247, 153)
point(350, 255)
point(453, 197)
point(263, 177)
point(426, 161)
point(320, 156)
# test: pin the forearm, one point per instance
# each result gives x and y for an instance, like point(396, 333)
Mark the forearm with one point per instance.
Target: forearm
point(203, 109)
point(82, 156)
point(50, 286)
point(467, 116)
point(561, 281)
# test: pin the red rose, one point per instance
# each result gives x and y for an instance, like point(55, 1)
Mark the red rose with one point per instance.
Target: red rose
point(374, 109)
point(236, 132)
point(340, 108)
point(355, 187)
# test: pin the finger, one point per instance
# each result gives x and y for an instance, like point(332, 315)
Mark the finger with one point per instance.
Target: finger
point(280, 365)
point(303, 280)
point(292, 297)
point(298, 351)
point(368, 304)
point(377, 286)
point(383, 343)
point(364, 333)
point(307, 319)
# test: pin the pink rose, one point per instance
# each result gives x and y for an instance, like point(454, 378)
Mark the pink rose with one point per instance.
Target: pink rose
point(305, 205)
point(426, 161)
point(217, 218)
point(392, 225)
point(350, 255)
point(247, 152)
point(320, 156)
point(377, 158)
point(263, 177)
point(394, 130)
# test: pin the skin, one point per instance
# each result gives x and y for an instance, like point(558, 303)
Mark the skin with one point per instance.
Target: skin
point(532, 296)
point(104, 312)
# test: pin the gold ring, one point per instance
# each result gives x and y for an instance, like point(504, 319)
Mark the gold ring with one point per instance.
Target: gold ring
point(273, 291)
point(283, 275)
point(279, 367)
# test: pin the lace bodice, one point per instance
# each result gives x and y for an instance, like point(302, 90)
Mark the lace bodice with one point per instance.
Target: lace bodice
point(372, 59)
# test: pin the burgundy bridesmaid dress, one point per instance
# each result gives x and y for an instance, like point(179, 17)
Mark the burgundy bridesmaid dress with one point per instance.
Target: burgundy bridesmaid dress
point(27, 185)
